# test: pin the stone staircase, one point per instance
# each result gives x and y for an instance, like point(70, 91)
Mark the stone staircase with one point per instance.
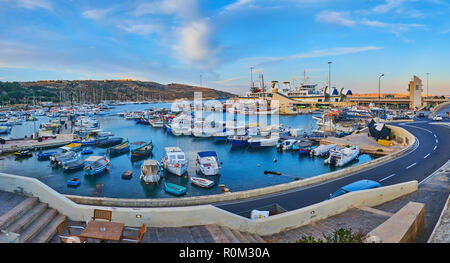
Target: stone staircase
point(33, 220)
point(222, 234)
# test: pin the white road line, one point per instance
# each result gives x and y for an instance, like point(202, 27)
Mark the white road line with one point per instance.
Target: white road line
point(435, 147)
point(426, 156)
point(435, 136)
point(419, 128)
point(437, 141)
point(386, 178)
point(411, 165)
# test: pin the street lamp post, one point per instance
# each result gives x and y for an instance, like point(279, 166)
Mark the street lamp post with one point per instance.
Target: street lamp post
point(251, 78)
point(329, 75)
point(428, 74)
point(379, 95)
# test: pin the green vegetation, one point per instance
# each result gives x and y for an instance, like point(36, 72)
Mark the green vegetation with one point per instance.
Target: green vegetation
point(379, 150)
point(93, 91)
point(341, 235)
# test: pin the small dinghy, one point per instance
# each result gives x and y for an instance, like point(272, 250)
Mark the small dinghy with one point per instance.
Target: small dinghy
point(127, 175)
point(174, 189)
point(341, 157)
point(323, 150)
point(74, 182)
point(45, 156)
point(201, 182)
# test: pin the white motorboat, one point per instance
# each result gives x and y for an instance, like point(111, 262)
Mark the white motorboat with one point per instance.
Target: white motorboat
point(150, 171)
point(286, 144)
point(174, 161)
point(323, 150)
point(208, 162)
point(341, 157)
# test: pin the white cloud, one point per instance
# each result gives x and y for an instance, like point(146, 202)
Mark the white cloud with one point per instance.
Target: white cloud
point(312, 54)
point(335, 18)
point(96, 14)
point(195, 44)
point(238, 5)
point(388, 6)
point(143, 29)
point(31, 4)
point(187, 9)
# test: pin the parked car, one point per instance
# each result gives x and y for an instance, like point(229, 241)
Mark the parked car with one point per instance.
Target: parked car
point(421, 115)
point(356, 186)
point(437, 118)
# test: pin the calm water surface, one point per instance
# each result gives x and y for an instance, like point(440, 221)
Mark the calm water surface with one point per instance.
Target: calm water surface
point(242, 168)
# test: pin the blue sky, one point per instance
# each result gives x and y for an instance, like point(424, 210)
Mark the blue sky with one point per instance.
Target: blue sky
point(178, 40)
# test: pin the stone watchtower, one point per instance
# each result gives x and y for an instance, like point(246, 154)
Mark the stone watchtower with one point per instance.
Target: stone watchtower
point(415, 93)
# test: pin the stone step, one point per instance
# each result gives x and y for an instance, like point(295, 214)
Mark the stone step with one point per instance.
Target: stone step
point(240, 236)
point(229, 234)
point(258, 238)
point(49, 231)
point(196, 234)
point(25, 220)
point(217, 234)
point(28, 234)
point(12, 215)
point(250, 237)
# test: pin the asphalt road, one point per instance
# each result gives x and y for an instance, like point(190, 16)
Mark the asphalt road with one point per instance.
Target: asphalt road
point(432, 150)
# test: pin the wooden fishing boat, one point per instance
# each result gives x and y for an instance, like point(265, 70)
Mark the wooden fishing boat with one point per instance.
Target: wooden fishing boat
point(74, 165)
point(23, 153)
point(87, 151)
point(45, 156)
point(119, 149)
point(208, 162)
point(71, 147)
point(144, 150)
point(109, 142)
point(201, 182)
point(97, 165)
point(174, 189)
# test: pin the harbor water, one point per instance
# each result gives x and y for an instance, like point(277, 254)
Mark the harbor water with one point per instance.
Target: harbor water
point(241, 169)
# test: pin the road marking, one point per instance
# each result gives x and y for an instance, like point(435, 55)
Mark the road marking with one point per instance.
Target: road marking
point(419, 128)
point(435, 136)
point(386, 177)
point(437, 141)
point(426, 156)
point(411, 165)
point(435, 147)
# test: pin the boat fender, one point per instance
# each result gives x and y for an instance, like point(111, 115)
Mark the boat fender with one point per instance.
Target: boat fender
point(274, 160)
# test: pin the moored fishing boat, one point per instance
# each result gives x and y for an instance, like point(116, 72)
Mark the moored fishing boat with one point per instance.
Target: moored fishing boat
point(71, 147)
point(150, 171)
point(87, 151)
point(5, 129)
point(108, 142)
point(202, 182)
point(258, 141)
point(74, 165)
point(97, 164)
point(208, 162)
point(119, 149)
point(23, 153)
point(73, 182)
point(45, 156)
point(143, 150)
point(238, 140)
point(174, 189)
point(174, 161)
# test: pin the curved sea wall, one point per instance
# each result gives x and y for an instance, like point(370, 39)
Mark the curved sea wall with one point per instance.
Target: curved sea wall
point(401, 134)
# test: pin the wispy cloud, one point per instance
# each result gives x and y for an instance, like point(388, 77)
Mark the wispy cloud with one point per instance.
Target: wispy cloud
point(141, 29)
point(335, 18)
point(30, 4)
point(312, 54)
point(96, 14)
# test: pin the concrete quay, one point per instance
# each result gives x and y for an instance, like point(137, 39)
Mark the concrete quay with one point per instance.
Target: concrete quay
point(18, 145)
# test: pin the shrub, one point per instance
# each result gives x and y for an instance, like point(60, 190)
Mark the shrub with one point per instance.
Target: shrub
point(379, 150)
point(341, 235)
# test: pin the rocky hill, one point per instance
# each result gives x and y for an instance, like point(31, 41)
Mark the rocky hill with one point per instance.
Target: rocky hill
point(91, 91)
